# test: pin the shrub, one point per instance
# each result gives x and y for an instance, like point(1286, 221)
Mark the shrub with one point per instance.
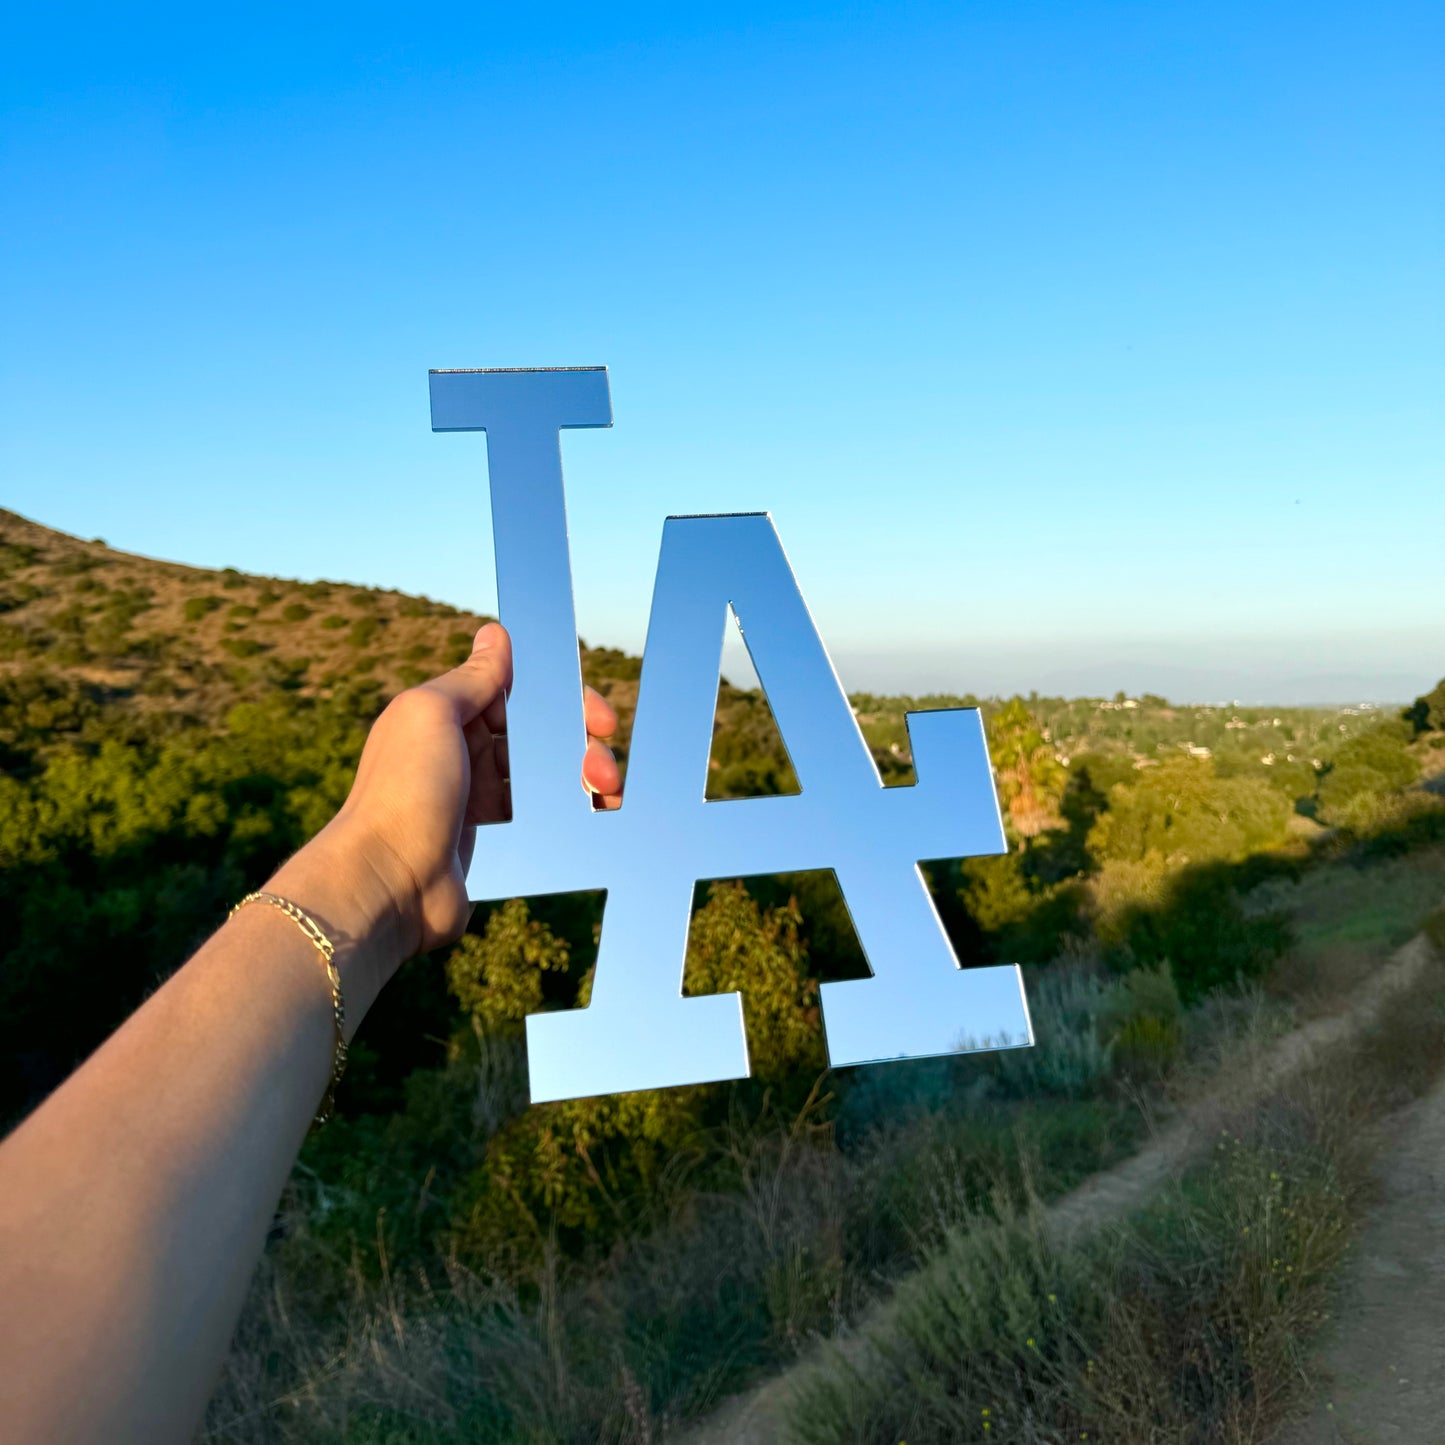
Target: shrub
point(364, 631)
point(732, 944)
point(1427, 713)
point(286, 673)
point(14, 641)
point(1071, 1056)
point(242, 646)
point(232, 579)
point(458, 649)
point(1201, 930)
point(1146, 1047)
point(1140, 993)
point(197, 607)
point(14, 556)
point(241, 611)
point(268, 598)
point(335, 622)
point(1182, 812)
point(1364, 775)
point(295, 612)
point(497, 977)
point(18, 594)
point(1175, 1326)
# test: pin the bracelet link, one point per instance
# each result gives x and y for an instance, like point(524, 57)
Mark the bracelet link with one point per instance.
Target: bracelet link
point(324, 946)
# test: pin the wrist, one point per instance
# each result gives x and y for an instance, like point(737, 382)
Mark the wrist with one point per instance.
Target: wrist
point(333, 878)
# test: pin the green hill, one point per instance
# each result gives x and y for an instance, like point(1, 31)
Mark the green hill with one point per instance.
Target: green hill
point(162, 637)
point(608, 1267)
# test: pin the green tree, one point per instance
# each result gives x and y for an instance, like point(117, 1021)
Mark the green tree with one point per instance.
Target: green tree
point(585, 1170)
point(1427, 713)
point(733, 945)
point(1181, 812)
point(497, 976)
point(1364, 774)
point(1030, 776)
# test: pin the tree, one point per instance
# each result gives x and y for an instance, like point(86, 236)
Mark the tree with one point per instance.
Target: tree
point(1427, 713)
point(732, 944)
point(1030, 776)
point(588, 1169)
point(1364, 774)
point(1182, 812)
point(497, 977)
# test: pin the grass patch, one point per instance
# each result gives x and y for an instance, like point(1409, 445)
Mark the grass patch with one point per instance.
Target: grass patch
point(1345, 917)
point(1191, 1323)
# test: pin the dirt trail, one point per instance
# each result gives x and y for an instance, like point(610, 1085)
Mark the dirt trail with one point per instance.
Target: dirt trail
point(756, 1418)
point(1383, 1380)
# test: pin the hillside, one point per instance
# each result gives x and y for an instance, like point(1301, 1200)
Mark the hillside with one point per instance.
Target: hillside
point(159, 645)
point(168, 734)
point(159, 636)
point(95, 631)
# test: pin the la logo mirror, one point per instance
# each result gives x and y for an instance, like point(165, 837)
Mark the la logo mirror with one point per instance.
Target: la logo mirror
point(639, 1031)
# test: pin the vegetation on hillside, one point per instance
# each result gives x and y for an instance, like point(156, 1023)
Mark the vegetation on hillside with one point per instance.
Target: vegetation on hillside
point(594, 1269)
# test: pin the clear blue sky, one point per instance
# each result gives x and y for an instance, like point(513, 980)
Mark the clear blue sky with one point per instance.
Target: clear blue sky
point(1072, 345)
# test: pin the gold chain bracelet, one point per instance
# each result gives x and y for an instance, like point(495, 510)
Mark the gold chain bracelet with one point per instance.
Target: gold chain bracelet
point(327, 950)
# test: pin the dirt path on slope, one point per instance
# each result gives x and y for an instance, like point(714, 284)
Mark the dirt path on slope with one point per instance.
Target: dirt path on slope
point(756, 1418)
point(1383, 1360)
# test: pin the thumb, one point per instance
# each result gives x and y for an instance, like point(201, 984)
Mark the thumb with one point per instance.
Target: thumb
point(479, 686)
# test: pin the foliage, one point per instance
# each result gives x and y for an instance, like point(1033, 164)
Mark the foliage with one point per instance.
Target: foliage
point(1072, 1053)
point(1030, 776)
point(1189, 1321)
point(1141, 1019)
point(749, 758)
point(1427, 713)
point(497, 976)
point(733, 945)
point(658, 1247)
point(1364, 775)
point(1197, 925)
point(128, 848)
point(568, 1170)
point(1181, 812)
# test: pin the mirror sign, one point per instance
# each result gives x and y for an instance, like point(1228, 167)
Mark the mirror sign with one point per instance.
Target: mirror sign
point(639, 1031)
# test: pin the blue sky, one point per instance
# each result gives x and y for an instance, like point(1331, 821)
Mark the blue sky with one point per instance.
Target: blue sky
point(1078, 346)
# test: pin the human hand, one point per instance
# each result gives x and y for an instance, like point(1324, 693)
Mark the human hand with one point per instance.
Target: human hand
point(435, 767)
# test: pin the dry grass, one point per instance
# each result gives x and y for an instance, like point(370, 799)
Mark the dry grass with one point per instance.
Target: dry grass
point(1191, 1323)
point(1194, 1330)
point(1345, 917)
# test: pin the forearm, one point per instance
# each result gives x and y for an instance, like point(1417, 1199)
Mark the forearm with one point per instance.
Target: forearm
point(138, 1196)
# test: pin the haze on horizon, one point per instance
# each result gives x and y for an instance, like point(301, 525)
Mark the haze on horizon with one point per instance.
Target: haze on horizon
point(1078, 349)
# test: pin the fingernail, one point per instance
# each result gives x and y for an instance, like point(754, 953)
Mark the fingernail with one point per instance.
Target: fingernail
point(483, 639)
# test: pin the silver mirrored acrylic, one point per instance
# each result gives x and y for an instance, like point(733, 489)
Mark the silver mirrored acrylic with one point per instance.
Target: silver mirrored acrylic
point(639, 1031)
